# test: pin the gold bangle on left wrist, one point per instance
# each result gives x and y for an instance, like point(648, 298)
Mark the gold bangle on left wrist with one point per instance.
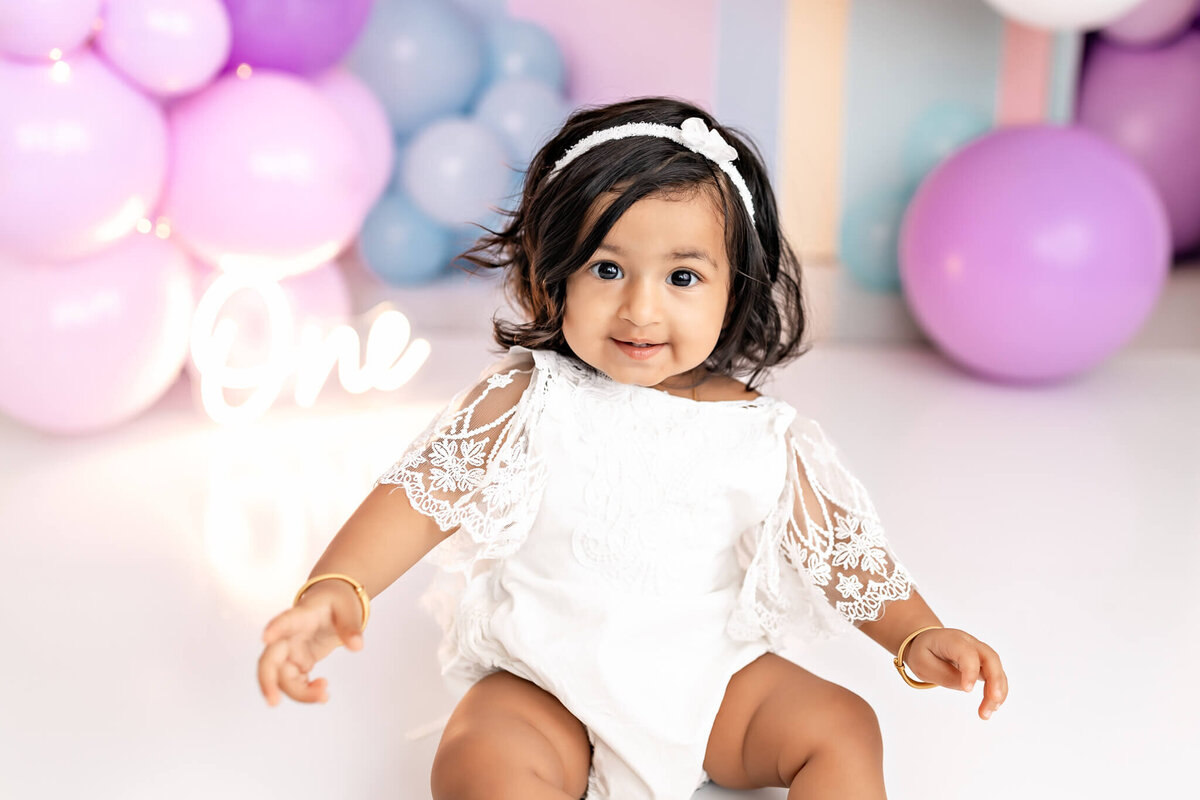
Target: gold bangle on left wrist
point(899, 659)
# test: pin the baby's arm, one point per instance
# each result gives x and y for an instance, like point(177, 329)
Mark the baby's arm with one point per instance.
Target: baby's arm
point(382, 539)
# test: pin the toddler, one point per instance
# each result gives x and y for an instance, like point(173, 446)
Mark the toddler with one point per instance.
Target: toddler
point(628, 533)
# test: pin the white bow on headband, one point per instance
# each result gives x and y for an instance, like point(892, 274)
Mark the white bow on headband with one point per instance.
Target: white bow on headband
point(692, 134)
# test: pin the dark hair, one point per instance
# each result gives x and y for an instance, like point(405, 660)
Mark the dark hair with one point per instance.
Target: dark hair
point(540, 247)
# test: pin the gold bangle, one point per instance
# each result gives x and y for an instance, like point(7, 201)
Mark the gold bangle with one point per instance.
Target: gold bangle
point(358, 589)
point(899, 660)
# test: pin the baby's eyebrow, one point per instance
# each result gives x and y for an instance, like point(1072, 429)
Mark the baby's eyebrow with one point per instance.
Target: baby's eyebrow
point(687, 252)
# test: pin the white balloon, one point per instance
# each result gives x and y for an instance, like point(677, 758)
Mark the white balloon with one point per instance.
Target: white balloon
point(1064, 14)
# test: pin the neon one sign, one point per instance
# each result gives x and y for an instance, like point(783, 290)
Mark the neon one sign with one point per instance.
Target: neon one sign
point(390, 361)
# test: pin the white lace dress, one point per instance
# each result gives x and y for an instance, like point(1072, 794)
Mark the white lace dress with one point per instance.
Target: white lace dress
point(629, 551)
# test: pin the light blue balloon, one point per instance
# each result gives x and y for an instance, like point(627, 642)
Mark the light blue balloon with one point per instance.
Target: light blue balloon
point(939, 132)
point(869, 239)
point(402, 245)
point(524, 113)
point(517, 48)
point(422, 58)
point(454, 170)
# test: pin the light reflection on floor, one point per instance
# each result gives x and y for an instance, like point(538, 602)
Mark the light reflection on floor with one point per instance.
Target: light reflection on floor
point(1062, 525)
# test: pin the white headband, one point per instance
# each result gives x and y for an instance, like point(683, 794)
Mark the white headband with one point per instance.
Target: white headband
point(692, 134)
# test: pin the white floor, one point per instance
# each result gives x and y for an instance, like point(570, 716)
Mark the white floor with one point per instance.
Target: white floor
point(1061, 525)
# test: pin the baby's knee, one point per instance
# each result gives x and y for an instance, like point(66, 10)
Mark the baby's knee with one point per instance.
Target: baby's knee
point(858, 727)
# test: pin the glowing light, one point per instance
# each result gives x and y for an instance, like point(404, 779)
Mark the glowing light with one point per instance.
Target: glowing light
point(162, 230)
point(56, 54)
point(144, 225)
point(390, 361)
point(60, 72)
point(244, 71)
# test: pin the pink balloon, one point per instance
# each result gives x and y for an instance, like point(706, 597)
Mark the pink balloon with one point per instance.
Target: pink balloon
point(32, 28)
point(1153, 22)
point(89, 344)
point(82, 158)
point(265, 174)
point(366, 116)
point(168, 48)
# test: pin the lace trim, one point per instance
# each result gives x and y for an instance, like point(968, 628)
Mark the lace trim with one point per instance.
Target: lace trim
point(814, 569)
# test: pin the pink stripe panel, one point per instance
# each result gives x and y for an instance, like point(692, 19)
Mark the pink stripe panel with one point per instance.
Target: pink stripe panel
point(1025, 75)
point(623, 48)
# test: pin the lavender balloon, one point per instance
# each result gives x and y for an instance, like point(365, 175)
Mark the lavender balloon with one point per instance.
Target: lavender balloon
point(303, 36)
point(1147, 102)
point(367, 117)
point(1153, 22)
point(1034, 253)
point(166, 48)
point(82, 158)
point(266, 174)
point(88, 344)
point(32, 28)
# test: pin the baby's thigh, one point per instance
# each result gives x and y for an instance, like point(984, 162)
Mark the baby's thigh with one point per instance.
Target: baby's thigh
point(506, 728)
point(776, 716)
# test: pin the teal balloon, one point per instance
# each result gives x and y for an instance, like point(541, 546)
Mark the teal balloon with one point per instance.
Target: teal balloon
point(402, 245)
point(938, 133)
point(869, 240)
point(517, 48)
point(422, 58)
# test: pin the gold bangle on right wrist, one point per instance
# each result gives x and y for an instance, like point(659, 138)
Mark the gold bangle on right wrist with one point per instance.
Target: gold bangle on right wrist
point(363, 600)
point(899, 659)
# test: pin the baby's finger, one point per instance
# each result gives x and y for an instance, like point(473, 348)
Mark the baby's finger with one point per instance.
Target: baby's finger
point(272, 658)
point(968, 665)
point(290, 622)
point(996, 682)
point(297, 686)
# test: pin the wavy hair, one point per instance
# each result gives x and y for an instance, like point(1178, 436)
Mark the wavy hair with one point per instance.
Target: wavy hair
point(544, 241)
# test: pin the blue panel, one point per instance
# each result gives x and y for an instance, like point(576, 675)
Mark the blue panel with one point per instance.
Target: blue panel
point(1064, 76)
point(749, 70)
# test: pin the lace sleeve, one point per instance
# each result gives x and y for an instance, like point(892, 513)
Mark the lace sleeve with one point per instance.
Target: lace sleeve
point(820, 562)
point(471, 470)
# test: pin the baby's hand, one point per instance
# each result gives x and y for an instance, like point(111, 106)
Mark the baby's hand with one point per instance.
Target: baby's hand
point(300, 637)
point(955, 659)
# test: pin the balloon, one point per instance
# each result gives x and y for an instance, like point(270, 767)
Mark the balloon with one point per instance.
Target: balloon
point(868, 236)
point(1153, 22)
point(82, 158)
point(1064, 14)
point(266, 174)
point(517, 48)
point(166, 48)
point(454, 170)
point(524, 113)
point(1147, 102)
point(32, 28)
point(91, 343)
point(422, 58)
point(303, 36)
point(367, 118)
point(401, 244)
point(938, 132)
point(1034, 253)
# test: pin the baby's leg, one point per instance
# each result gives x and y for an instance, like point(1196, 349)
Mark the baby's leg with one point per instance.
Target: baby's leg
point(780, 725)
point(510, 740)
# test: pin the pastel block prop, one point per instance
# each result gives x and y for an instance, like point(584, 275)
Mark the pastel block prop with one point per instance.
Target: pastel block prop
point(615, 49)
point(1025, 75)
point(749, 70)
point(811, 133)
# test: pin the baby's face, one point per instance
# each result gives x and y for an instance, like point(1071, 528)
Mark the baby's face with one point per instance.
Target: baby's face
point(660, 276)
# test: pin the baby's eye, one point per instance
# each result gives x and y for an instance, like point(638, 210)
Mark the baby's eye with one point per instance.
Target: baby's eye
point(686, 274)
point(605, 270)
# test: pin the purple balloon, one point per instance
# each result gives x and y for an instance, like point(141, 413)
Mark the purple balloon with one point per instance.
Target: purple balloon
point(1034, 253)
point(266, 174)
point(303, 36)
point(1153, 22)
point(82, 158)
point(90, 343)
point(1147, 102)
